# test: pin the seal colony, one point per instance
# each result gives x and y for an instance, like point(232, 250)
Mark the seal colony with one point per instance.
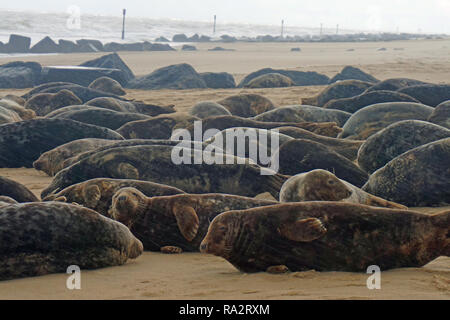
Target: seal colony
point(347, 164)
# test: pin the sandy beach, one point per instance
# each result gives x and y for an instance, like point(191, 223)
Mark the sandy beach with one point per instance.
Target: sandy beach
point(199, 276)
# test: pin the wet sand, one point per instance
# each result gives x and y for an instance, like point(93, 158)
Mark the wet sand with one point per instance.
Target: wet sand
point(198, 276)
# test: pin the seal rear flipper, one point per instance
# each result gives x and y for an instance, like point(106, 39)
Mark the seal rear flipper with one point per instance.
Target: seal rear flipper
point(61, 199)
point(171, 249)
point(277, 269)
point(303, 230)
point(187, 221)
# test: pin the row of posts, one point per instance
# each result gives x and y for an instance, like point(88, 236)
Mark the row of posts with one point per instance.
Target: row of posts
point(124, 12)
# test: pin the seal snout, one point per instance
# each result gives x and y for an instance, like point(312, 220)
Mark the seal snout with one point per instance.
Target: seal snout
point(204, 247)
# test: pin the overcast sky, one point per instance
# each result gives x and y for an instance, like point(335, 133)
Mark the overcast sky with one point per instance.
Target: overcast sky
point(378, 15)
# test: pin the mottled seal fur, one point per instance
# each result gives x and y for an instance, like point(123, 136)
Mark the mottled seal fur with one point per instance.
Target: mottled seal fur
point(107, 84)
point(24, 114)
point(247, 105)
point(371, 119)
point(155, 163)
point(21, 143)
point(428, 94)
point(322, 185)
point(327, 236)
point(417, 178)
point(43, 238)
point(329, 129)
point(44, 103)
point(270, 80)
point(301, 155)
point(131, 142)
point(302, 113)
point(160, 127)
point(395, 84)
point(8, 116)
point(441, 115)
point(258, 143)
point(396, 139)
point(16, 190)
point(52, 161)
point(341, 89)
point(205, 109)
point(83, 93)
point(101, 117)
point(365, 99)
point(130, 106)
point(345, 147)
point(177, 221)
point(97, 193)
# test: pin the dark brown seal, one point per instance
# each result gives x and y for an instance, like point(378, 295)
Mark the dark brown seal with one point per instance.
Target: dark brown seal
point(15, 190)
point(301, 155)
point(97, 194)
point(21, 143)
point(174, 166)
point(43, 238)
point(177, 221)
point(327, 236)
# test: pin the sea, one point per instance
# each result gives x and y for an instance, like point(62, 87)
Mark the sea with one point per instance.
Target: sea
point(72, 26)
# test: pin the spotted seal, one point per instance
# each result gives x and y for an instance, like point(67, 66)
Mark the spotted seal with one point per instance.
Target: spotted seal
point(419, 177)
point(156, 163)
point(176, 221)
point(322, 185)
point(21, 143)
point(329, 129)
point(52, 161)
point(301, 155)
point(327, 236)
point(304, 113)
point(97, 193)
point(44, 103)
point(396, 139)
point(43, 238)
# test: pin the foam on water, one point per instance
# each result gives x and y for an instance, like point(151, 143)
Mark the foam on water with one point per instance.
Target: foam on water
point(109, 28)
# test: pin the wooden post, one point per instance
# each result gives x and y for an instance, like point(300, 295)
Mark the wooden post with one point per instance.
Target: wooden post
point(123, 23)
point(214, 30)
point(337, 29)
point(282, 28)
point(321, 25)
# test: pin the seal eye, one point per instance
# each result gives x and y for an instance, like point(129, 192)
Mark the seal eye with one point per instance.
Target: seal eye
point(331, 182)
point(222, 228)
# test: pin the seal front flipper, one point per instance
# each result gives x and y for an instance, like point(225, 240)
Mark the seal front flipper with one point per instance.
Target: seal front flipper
point(171, 249)
point(187, 221)
point(303, 230)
